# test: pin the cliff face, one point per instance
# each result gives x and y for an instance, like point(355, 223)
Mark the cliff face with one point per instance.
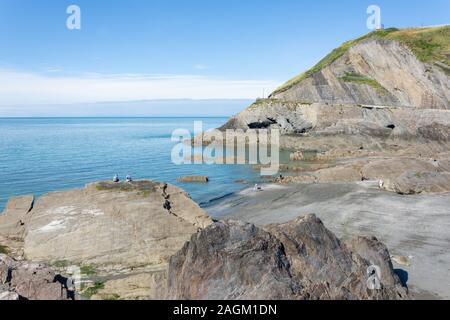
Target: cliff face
point(375, 72)
point(404, 68)
point(397, 73)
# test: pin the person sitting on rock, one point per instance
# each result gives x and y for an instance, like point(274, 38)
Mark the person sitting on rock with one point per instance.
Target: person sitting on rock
point(128, 178)
point(116, 178)
point(436, 163)
point(257, 188)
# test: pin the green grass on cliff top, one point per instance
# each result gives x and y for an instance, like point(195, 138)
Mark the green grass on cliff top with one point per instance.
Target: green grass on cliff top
point(428, 44)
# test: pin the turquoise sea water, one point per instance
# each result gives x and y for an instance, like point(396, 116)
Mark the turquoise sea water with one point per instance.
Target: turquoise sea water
point(39, 155)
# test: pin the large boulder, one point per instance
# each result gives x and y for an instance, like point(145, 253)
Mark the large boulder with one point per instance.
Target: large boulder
point(120, 235)
point(126, 224)
point(231, 260)
point(392, 168)
point(297, 260)
point(197, 179)
point(418, 182)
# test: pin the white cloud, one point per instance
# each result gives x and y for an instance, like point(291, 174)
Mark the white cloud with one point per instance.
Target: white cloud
point(22, 88)
point(201, 67)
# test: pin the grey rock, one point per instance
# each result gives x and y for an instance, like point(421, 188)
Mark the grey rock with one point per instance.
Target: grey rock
point(231, 260)
point(376, 253)
point(297, 260)
point(418, 182)
point(31, 281)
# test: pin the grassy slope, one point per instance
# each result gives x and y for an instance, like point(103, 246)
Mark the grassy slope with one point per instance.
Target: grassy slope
point(428, 44)
point(360, 79)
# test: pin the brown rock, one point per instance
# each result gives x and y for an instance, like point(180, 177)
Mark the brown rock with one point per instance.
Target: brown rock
point(419, 182)
point(392, 168)
point(197, 179)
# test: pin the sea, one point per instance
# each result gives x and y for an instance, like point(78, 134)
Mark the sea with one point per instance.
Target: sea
point(41, 155)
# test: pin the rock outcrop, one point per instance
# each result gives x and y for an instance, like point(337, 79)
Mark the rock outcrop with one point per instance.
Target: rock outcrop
point(13, 221)
point(402, 175)
point(297, 260)
point(119, 232)
point(128, 224)
point(382, 96)
point(21, 280)
point(194, 179)
point(322, 120)
point(410, 183)
point(149, 240)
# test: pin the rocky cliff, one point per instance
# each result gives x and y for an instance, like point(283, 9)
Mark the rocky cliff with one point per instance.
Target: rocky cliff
point(401, 69)
point(404, 68)
point(382, 98)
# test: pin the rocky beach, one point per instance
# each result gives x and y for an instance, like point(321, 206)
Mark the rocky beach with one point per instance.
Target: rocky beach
point(148, 240)
point(360, 208)
point(414, 227)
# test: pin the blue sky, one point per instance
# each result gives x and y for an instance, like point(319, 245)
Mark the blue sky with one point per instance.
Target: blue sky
point(163, 49)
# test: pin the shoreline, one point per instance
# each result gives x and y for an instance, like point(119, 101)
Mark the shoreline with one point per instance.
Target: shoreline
point(348, 210)
point(407, 227)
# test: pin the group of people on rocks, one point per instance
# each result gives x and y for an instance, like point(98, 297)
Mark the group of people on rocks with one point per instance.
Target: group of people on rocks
point(128, 178)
